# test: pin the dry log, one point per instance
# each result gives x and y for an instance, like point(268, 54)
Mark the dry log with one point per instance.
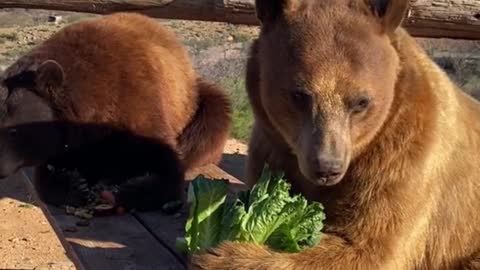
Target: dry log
point(426, 18)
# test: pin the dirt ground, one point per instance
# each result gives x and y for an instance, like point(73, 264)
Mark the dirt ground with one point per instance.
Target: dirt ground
point(26, 239)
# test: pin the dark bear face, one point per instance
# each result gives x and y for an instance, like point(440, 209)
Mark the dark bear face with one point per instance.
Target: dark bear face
point(28, 132)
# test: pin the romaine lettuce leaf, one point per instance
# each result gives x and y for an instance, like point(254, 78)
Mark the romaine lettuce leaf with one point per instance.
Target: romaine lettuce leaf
point(267, 201)
point(206, 199)
point(300, 229)
point(267, 214)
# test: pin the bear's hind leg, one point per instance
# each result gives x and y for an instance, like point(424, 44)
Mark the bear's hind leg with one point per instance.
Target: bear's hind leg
point(146, 172)
point(159, 179)
point(150, 192)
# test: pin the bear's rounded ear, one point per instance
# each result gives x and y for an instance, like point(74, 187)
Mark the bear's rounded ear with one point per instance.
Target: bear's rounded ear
point(269, 10)
point(389, 13)
point(49, 75)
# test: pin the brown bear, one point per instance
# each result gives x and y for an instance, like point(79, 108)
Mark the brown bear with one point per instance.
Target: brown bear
point(117, 100)
point(361, 119)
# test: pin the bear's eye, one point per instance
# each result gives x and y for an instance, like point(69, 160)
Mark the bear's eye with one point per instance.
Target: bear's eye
point(300, 97)
point(360, 104)
point(25, 79)
point(12, 132)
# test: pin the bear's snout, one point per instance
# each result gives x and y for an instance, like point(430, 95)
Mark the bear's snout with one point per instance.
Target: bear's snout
point(327, 169)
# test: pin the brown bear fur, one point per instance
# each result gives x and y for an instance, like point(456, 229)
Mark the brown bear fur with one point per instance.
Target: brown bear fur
point(409, 194)
point(127, 72)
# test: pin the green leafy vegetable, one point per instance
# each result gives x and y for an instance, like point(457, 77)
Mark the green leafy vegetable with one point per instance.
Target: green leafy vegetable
point(206, 199)
point(300, 229)
point(267, 214)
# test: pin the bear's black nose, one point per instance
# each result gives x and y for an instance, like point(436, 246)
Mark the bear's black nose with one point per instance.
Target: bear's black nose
point(328, 167)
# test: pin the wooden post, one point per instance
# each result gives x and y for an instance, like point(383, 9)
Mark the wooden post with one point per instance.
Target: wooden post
point(426, 18)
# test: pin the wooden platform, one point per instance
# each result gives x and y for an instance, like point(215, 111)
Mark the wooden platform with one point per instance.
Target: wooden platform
point(137, 241)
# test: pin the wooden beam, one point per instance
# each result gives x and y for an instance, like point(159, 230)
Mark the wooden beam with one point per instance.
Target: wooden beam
point(444, 18)
point(426, 18)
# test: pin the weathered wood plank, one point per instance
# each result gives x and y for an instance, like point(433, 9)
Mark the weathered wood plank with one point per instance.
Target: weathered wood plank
point(165, 228)
point(212, 171)
point(50, 217)
point(426, 18)
point(168, 228)
point(444, 18)
point(117, 242)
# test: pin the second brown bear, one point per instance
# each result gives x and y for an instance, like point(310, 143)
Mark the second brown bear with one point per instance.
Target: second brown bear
point(114, 98)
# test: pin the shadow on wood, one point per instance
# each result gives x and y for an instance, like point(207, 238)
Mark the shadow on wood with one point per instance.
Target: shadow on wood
point(235, 165)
